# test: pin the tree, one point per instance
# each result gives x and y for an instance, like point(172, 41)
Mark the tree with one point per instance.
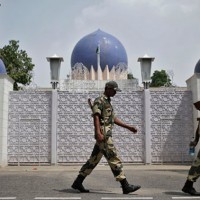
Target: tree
point(160, 78)
point(18, 65)
point(130, 76)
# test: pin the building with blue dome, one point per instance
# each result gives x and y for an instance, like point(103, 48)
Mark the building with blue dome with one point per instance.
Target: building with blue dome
point(2, 68)
point(197, 67)
point(59, 119)
point(193, 83)
point(99, 56)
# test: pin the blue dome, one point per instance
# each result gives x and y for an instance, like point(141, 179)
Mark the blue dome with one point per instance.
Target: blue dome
point(112, 51)
point(197, 67)
point(2, 67)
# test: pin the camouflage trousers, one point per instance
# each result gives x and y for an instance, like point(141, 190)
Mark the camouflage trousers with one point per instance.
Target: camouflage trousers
point(194, 171)
point(108, 150)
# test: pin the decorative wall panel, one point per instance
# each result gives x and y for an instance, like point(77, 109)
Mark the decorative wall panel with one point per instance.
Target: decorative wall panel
point(29, 127)
point(128, 107)
point(76, 130)
point(171, 125)
point(74, 127)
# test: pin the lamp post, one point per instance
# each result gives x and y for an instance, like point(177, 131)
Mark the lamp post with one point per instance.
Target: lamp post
point(55, 62)
point(145, 64)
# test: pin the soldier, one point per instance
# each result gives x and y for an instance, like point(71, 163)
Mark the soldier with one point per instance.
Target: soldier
point(104, 119)
point(194, 171)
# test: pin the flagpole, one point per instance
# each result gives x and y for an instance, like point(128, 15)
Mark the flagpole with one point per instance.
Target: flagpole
point(98, 64)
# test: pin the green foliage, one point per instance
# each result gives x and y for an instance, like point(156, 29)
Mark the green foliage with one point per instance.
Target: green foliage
point(130, 76)
point(18, 65)
point(160, 78)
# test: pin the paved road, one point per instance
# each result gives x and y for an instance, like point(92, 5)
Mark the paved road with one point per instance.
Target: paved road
point(159, 182)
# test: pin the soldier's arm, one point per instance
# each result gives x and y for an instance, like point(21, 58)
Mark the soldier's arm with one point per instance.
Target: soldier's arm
point(122, 124)
point(98, 134)
point(196, 140)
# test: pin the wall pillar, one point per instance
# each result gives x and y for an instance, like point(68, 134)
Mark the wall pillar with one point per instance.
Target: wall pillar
point(54, 106)
point(6, 85)
point(147, 127)
point(193, 84)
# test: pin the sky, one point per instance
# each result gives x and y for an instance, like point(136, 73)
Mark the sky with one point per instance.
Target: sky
point(168, 30)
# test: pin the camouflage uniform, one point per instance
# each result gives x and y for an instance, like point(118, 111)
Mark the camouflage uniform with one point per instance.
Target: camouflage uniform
point(103, 107)
point(194, 171)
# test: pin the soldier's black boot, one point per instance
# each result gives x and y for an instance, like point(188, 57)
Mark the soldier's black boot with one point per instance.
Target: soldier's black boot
point(188, 188)
point(127, 188)
point(77, 185)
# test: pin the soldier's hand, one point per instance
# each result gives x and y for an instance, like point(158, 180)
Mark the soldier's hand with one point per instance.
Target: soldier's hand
point(193, 143)
point(133, 129)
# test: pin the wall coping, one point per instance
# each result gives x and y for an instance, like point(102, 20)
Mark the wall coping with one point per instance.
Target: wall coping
point(5, 76)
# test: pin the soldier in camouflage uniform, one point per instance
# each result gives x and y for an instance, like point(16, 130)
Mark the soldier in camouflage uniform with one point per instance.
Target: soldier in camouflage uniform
point(104, 119)
point(194, 172)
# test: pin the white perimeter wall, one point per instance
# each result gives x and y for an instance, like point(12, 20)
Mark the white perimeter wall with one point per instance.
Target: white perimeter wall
point(30, 126)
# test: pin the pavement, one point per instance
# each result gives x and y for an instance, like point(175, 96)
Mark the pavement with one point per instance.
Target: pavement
point(159, 182)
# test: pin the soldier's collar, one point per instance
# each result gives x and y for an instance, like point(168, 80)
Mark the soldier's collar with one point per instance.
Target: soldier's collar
point(107, 98)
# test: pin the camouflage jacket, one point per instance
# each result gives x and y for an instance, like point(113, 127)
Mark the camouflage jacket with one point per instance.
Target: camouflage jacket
point(103, 107)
